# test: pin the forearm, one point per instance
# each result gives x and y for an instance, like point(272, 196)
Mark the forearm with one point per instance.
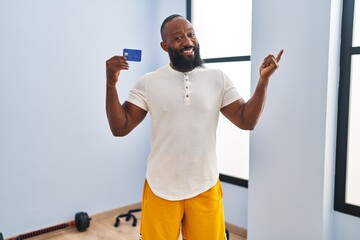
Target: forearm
point(115, 112)
point(255, 105)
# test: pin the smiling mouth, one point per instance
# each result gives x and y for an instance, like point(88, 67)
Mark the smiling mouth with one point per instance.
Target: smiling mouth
point(188, 51)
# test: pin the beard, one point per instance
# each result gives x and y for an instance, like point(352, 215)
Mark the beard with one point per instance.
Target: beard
point(180, 62)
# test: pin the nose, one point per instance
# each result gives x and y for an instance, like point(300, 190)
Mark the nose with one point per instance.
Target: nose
point(187, 41)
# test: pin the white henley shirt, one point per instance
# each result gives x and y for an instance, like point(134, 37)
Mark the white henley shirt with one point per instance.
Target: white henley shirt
point(184, 110)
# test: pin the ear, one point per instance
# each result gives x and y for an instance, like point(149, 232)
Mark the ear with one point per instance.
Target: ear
point(164, 46)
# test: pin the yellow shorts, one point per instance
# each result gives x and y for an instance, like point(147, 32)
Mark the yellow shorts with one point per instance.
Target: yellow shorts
point(199, 218)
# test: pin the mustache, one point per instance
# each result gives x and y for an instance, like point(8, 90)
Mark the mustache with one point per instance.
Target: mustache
point(187, 48)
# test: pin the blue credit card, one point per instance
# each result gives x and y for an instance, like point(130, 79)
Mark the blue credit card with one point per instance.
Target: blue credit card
point(132, 54)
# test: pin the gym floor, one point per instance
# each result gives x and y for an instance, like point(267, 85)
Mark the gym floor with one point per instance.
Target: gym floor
point(102, 228)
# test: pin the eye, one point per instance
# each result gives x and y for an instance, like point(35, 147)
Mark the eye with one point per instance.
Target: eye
point(178, 38)
point(191, 35)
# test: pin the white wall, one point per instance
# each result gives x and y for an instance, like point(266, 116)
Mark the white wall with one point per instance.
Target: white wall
point(58, 156)
point(235, 201)
point(292, 155)
point(346, 227)
point(290, 193)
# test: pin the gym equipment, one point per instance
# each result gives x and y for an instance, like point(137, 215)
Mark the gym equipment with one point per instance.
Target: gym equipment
point(127, 217)
point(82, 222)
point(227, 234)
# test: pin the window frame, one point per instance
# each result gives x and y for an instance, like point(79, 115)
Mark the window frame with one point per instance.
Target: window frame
point(223, 177)
point(347, 51)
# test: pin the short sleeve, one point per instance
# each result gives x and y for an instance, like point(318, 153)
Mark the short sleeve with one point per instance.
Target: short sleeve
point(231, 94)
point(137, 94)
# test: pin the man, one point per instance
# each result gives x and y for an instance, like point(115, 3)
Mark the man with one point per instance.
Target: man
point(182, 189)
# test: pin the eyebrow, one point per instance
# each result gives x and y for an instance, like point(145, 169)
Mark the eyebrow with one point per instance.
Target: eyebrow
point(188, 30)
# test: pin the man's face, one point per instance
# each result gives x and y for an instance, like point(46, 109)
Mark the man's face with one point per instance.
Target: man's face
point(181, 44)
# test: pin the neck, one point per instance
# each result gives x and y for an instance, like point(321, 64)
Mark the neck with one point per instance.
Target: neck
point(182, 69)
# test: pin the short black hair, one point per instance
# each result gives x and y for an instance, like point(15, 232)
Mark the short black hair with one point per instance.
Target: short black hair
point(168, 19)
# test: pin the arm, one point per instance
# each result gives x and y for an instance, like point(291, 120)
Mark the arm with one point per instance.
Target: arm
point(245, 115)
point(122, 118)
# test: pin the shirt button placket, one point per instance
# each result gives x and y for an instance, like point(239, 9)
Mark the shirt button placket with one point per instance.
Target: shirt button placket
point(187, 89)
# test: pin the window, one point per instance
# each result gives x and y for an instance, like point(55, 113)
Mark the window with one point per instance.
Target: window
point(223, 29)
point(347, 179)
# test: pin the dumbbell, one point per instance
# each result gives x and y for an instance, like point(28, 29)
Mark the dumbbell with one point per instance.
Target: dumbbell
point(82, 222)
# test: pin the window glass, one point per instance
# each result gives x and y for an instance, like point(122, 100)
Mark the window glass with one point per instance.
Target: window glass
point(356, 32)
point(233, 143)
point(353, 156)
point(223, 28)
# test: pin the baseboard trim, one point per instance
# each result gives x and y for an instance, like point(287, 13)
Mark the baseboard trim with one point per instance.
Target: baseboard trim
point(114, 212)
point(236, 230)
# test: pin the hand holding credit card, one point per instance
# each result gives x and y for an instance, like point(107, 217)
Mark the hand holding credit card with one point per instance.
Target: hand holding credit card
point(132, 54)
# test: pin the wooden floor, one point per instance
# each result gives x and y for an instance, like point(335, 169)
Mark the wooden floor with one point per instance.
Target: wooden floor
point(102, 228)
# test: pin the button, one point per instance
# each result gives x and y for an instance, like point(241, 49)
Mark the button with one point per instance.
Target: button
point(187, 89)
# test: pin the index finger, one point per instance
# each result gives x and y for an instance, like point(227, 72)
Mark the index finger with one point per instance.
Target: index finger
point(118, 58)
point(279, 55)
